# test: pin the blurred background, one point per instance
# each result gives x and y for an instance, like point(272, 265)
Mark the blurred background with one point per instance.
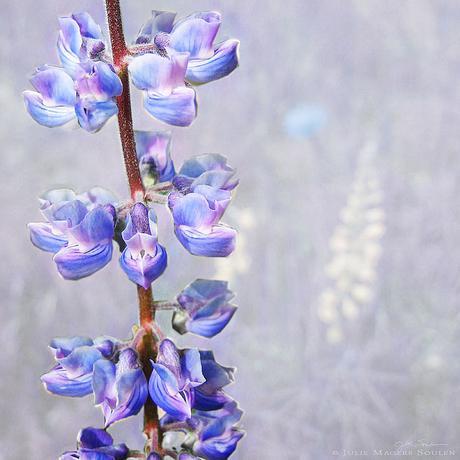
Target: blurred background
point(343, 124)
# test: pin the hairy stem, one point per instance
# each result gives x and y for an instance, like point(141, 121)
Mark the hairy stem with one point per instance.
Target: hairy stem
point(147, 347)
point(125, 117)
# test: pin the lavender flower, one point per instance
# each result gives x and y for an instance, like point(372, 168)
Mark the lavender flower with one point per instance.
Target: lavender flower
point(120, 387)
point(210, 169)
point(216, 433)
point(195, 35)
point(80, 40)
point(205, 308)
point(96, 444)
point(78, 232)
point(85, 89)
point(166, 97)
point(153, 153)
point(175, 374)
point(75, 356)
point(143, 259)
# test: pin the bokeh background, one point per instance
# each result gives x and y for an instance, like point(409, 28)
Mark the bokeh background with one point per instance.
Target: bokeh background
point(343, 122)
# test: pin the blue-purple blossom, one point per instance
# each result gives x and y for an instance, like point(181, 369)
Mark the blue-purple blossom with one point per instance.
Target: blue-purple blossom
point(78, 231)
point(80, 40)
point(194, 34)
point(204, 186)
point(217, 435)
point(153, 153)
point(175, 374)
point(205, 308)
point(120, 386)
point(75, 358)
point(166, 96)
point(96, 444)
point(210, 395)
point(210, 169)
point(85, 89)
point(143, 259)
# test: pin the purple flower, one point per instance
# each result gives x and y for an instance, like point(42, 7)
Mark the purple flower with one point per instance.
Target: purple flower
point(205, 308)
point(85, 89)
point(195, 35)
point(78, 232)
point(217, 435)
point(89, 97)
point(120, 387)
point(166, 97)
point(210, 169)
point(143, 259)
point(96, 444)
point(153, 153)
point(75, 356)
point(196, 221)
point(210, 395)
point(175, 375)
point(80, 40)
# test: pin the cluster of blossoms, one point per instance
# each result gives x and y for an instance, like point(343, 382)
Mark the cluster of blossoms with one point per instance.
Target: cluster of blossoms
point(166, 60)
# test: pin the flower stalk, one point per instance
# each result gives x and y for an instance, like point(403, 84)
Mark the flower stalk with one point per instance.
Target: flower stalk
point(147, 347)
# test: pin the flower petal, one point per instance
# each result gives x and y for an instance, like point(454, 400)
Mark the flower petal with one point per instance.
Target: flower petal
point(193, 210)
point(101, 83)
point(220, 242)
point(56, 381)
point(104, 381)
point(97, 227)
point(69, 44)
point(92, 438)
point(161, 21)
point(87, 25)
point(42, 236)
point(92, 116)
point(164, 391)
point(223, 62)
point(80, 361)
point(46, 115)
point(211, 325)
point(63, 346)
point(177, 109)
point(146, 269)
point(73, 264)
point(196, 33)
point(55, 86)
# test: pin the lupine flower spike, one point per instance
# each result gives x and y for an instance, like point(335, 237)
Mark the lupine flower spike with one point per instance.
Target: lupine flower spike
point(183, 391)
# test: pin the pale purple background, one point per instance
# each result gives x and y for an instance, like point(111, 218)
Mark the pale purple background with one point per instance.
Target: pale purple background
point(326, 360)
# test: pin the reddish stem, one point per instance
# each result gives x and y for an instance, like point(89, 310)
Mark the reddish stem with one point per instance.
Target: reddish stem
point(125, 118)
point(147, 347)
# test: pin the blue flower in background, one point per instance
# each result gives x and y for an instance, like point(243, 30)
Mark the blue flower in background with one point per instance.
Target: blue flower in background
point(75, 357)
point(194, 35)
point(175, 374)
point(205, 308)
point(85, 89)
point(217, 435)
point(120, 386)
point(78, 231)
point(153, 152)
point(166, 96)
point(96, 444)
point(304, 121)
point(143, 259)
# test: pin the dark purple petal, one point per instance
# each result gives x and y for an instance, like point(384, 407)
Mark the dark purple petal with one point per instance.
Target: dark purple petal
point(92, 438)
point(80, 361)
